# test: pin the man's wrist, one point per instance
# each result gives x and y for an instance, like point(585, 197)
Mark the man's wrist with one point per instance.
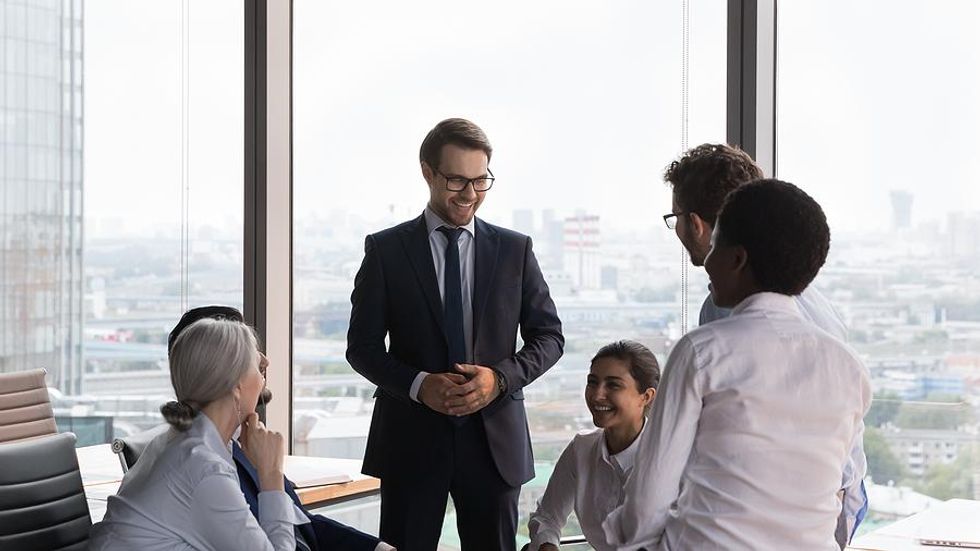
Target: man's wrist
point(501, 383)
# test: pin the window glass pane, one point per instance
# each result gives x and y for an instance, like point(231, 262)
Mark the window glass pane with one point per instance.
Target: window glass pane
point(582, 102)
point(882, 130)
point(93, 274)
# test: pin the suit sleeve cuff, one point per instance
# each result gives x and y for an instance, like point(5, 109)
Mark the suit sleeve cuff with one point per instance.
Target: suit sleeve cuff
point(413, 391)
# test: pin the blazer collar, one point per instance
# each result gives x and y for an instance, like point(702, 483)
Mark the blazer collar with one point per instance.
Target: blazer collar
point(487, 248)
point(415, 239)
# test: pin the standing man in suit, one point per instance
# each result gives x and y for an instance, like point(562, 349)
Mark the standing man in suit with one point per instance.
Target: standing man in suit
point(313, 532)
point(449, 292)
point(700, 180)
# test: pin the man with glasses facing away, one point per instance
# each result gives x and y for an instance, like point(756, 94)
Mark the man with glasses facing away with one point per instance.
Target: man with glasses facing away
point(449, 292)
point(313, 532)
point(700, 180)
point(756, 412)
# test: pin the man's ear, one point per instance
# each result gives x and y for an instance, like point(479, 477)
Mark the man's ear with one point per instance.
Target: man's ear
point(700, 228)
point(428, 173)
point(740, 260)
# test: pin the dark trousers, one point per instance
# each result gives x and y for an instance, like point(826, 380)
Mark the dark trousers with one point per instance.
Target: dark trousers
point(413, 500)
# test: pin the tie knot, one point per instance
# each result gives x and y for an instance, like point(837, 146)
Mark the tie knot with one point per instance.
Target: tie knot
point(452, 234)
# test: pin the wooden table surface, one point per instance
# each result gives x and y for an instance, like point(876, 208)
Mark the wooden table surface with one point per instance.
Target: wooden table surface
point(102, 473)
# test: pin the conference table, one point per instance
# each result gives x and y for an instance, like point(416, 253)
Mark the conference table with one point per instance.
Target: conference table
point(102, 473)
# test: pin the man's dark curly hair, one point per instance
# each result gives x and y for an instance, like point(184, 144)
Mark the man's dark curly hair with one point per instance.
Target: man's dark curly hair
point(783, 230)
point(706, 174)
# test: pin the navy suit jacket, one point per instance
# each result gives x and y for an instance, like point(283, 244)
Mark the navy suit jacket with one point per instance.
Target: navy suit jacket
point(396, 295)
point(322, 534)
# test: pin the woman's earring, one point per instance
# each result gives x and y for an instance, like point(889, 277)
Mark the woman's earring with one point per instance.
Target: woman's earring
point(238, 411)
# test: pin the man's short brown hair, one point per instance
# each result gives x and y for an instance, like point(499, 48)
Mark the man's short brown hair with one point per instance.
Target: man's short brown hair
point(706, 174)
point(459, 132)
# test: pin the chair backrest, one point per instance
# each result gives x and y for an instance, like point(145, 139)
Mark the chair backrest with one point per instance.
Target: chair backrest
point(131, 447)
point(42, 502)
point(25, 408)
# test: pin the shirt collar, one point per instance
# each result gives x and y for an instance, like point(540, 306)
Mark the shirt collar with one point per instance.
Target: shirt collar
point(434, 222)
point(768, 301)
point(624, 459)
point(206, 429)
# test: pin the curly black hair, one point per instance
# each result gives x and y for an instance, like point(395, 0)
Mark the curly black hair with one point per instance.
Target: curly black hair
point(703, 176)
point(783, 230)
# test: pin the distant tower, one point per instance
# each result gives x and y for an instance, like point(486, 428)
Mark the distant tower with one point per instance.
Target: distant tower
point(581, 251)
point(901, 209)
point(524, 221)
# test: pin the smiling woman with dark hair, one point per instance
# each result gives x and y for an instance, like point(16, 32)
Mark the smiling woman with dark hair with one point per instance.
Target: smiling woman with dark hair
point(591, 472)
point(757, 412)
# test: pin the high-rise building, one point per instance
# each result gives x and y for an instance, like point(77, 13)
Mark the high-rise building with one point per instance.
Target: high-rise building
point(901, 209)
point(964, 234)
point(581, 251)
point(41, 189)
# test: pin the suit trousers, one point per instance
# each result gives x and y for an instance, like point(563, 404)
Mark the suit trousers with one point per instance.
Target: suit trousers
point(414, 500)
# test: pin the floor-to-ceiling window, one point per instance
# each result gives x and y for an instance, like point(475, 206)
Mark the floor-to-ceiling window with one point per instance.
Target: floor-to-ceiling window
point(121, 198)
point(878, 119)
point(584, 104)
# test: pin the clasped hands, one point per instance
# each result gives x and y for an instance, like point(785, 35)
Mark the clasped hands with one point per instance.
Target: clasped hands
point(467, 391)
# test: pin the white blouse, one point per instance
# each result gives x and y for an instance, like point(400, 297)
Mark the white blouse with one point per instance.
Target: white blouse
point(589, 479)
point(184, 493)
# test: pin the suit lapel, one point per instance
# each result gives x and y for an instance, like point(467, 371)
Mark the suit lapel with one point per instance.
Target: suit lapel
point(416, 242)
point(487, 247)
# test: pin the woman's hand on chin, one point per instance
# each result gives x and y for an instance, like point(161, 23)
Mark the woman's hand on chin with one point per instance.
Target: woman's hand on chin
point(266, 450)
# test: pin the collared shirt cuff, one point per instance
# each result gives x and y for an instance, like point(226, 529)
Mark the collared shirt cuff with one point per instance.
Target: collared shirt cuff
point(275, 506)
point(413, 391)
point(542, 538)
point(382, 546)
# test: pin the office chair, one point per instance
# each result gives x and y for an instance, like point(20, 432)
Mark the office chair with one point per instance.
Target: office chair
point(25, 408)
point(131, 447)
point(44, 504)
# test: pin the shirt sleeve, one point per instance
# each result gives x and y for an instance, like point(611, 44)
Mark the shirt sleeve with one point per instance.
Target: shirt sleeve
point(222, 518)
point(550, 517)
point(413, 391)
point(662, 456)
point(855, 503)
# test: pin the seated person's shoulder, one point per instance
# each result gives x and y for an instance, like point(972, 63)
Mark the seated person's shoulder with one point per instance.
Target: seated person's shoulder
point(196, 461)
point(585, 442)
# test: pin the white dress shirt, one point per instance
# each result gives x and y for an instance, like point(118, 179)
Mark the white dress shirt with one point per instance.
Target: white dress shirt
point(467, 251)
point(754, 418)
point(588, 479)
point(816, 308)
point(184, 493)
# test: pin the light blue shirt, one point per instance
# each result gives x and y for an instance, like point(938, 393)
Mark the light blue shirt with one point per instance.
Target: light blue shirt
point(467, 252)
point(816, 309)
point(184, 494)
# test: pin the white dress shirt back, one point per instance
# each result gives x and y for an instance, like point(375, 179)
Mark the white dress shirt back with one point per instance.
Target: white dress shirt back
point(754, 418)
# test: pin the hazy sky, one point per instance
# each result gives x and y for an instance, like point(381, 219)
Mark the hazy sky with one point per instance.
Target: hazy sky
point(581, 100)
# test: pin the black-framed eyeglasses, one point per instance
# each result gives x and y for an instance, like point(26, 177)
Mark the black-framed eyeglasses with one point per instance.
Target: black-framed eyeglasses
point(671, 219)
point(458, 183)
